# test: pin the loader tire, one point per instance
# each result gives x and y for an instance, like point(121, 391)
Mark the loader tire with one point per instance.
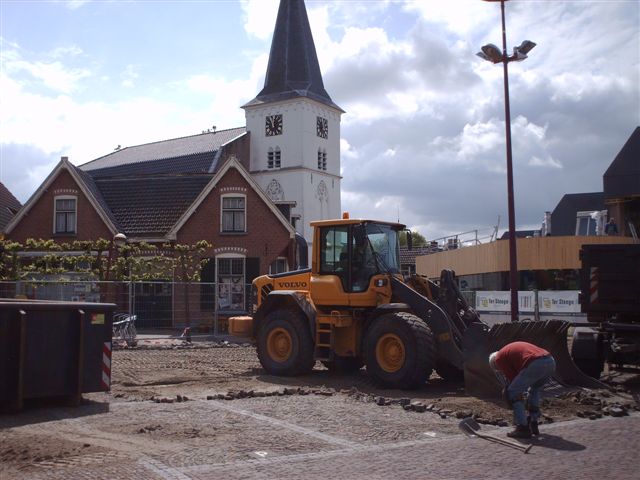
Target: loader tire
point(344, 365)
point(399, 351)
point(284, 345)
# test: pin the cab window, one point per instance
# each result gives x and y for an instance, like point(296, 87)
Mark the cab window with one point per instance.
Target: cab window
point(334, 246)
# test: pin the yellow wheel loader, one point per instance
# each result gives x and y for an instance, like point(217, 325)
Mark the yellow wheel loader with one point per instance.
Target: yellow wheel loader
point(353, 307)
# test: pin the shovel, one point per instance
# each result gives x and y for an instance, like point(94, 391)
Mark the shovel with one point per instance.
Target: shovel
point(472, 428)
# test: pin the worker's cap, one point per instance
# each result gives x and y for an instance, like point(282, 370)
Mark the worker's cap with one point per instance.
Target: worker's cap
point(492, 360)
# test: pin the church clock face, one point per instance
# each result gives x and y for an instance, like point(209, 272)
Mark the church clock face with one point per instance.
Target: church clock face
point(322, 127)
point(273, 125)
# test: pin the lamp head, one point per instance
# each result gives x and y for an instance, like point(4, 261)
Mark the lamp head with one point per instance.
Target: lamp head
point(119, 239)
point(491, 53)
point(525, 47)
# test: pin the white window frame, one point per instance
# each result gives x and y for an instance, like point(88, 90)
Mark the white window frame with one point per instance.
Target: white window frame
point(279, 259)
point(55, 214)
point(222, 210)
point(227, 287)
point(274, 158)
point(589, 217)
point(322, 159)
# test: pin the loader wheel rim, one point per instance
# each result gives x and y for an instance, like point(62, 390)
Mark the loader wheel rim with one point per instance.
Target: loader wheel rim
point(390, 353)
point(279, 344)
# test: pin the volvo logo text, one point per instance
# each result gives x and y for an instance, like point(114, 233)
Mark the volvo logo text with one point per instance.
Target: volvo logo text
point(293, 285)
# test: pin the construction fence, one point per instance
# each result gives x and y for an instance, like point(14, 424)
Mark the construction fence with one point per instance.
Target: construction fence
point(207, 306)
point(156, 305)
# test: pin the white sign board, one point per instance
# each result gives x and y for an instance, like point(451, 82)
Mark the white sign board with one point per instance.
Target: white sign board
point(558, 301)
point(500, 301)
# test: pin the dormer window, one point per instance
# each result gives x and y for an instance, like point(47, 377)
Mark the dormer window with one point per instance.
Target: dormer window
point(273, 158)
point(65, 215)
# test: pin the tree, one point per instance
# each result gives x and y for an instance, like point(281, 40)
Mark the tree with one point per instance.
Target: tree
point(416, 237)
point(135, 261)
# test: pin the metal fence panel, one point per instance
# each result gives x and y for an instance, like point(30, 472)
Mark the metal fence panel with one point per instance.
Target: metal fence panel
point(156, 305)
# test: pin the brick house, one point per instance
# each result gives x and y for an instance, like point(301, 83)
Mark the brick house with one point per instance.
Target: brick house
point(169, 200)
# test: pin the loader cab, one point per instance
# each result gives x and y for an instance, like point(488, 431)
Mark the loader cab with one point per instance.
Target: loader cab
point(350, 253)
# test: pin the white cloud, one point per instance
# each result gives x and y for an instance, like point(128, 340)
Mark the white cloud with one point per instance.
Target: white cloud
point(424, 133)
point(260, 17)
point(53, 75)
point(129, 76)
point(545, 162)
point(75, 4)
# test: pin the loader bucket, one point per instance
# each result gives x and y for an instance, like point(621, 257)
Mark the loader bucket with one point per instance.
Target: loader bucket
point(480, 341)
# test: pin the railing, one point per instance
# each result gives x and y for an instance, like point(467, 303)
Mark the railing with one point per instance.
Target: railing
point(463, 239)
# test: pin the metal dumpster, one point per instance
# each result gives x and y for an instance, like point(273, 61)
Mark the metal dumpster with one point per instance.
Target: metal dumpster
point(53, 349)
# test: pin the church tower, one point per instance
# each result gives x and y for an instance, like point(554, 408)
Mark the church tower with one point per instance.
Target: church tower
point(295, 127)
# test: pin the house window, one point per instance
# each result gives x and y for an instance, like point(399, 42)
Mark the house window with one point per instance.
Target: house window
point(231, 283)
point(322, 159)
point(273, 158)
point(65, 215)
point(586, 223)
point(233, 214)
point(280, 265)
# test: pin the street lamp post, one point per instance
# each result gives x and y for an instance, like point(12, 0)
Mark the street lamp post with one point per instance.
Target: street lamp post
point(117, 241)
point(492, 54)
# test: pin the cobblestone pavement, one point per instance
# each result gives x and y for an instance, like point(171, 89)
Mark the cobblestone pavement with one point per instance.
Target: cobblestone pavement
point(260, 438)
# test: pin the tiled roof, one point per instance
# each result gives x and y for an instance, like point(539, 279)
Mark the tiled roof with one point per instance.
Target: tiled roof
point(149, 206)
point(194, 163)
point(9, 205)
point(408, 257)
point(181, 155)
point(97, 194)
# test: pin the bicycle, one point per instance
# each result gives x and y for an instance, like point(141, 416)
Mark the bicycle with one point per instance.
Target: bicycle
point(124, 329)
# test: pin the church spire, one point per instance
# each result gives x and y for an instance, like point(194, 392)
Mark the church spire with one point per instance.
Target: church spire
point(293, 69)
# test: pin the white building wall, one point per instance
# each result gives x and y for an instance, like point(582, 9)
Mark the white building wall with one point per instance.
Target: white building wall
point(316, 192)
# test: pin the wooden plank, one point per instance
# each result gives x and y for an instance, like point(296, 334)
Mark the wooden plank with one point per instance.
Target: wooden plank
point(535, 253)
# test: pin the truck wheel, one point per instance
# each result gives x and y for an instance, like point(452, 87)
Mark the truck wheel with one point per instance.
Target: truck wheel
point(399, 351)
point(587, 351)
point(284, 343)
point(344, 365)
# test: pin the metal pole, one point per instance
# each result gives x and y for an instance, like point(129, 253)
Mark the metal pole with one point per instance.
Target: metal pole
point(513, 262)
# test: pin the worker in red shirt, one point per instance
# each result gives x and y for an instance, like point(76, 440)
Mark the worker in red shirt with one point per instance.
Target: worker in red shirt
point(523, 368)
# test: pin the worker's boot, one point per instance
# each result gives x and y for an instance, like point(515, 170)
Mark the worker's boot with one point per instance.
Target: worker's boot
point(521, 431)
point(533, 426)
point(532, 420)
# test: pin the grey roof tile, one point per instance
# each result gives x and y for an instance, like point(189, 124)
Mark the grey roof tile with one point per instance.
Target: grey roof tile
point(149, 206)
point(9, 206)
point(185, 148)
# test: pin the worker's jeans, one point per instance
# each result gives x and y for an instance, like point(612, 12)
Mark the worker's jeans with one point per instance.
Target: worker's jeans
point(531, 378)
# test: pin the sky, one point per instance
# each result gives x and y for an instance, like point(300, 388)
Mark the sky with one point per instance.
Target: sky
point(423, 136)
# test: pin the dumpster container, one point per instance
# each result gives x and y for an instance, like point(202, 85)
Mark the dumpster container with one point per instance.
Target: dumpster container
point(53, 349)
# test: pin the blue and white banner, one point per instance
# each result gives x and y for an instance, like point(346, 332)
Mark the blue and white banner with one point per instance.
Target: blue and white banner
point(558, 301)
point(500, 301)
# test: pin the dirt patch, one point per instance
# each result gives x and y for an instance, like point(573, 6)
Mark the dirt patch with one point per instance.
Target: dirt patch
point(180, 404)
point(208, 370)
